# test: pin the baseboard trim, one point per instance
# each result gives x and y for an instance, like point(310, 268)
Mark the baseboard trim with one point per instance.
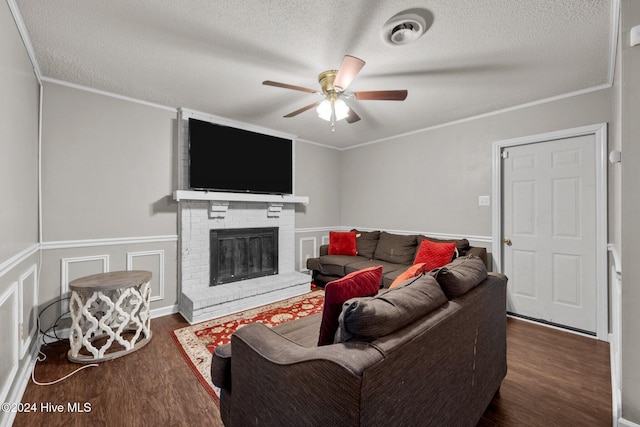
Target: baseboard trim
point(164, 311)
point(20, 386)
point(626, 423)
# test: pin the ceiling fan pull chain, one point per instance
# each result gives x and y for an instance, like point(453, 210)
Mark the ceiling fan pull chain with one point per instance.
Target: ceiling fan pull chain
point(333, 116)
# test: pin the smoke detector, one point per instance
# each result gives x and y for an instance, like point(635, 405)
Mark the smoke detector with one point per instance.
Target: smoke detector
point(406, 27)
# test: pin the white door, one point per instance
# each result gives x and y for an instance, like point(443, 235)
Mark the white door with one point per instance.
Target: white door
point(549, 231)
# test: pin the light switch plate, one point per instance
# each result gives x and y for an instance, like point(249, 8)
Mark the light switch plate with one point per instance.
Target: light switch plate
point(634, 36)
point(484, 200)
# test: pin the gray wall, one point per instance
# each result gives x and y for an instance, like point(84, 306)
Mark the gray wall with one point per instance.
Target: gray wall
point(19, 105)
point(318, 176)
point(18, 142)
point(109, 169)
point(430, 181)
point(630, 62)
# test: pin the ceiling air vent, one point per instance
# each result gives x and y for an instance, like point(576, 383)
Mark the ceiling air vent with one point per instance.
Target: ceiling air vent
point(407, 27)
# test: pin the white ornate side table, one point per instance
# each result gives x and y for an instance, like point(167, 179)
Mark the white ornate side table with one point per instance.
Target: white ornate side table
point(109, 315)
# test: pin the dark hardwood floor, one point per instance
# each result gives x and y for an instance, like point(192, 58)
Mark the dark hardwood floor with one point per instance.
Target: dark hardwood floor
point(554, 378)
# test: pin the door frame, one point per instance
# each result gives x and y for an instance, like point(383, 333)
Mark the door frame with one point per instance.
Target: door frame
point(600, 133)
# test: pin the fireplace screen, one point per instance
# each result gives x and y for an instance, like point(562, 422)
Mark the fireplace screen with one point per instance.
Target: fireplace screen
point(243, 253)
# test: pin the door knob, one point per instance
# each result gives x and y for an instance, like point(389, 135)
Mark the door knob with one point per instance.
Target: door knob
point(507, 241)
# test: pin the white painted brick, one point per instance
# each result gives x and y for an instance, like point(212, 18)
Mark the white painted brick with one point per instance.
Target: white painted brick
point(196, 224)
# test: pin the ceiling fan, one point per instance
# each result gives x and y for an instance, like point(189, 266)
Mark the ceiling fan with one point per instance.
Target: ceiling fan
point(334, 84)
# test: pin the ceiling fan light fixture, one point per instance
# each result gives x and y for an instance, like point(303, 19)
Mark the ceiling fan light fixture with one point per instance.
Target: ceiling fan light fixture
point(341, 109)
point(324, 110)
point(327, 108)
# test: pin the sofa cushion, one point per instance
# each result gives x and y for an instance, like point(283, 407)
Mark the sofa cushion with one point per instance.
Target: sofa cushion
point(358, 284)
point(387, 267)
point(342, 243)
point(335, 265)
point(373, 317)
point(303, 331)
point(461, 275)
point(396, 248)
point(389, 277)
point(413, 271)
point(434, 254)
point(366, 242)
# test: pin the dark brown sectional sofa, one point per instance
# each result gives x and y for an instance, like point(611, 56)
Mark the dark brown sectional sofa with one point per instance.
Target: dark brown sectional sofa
point(394, 252)
point(429, 352)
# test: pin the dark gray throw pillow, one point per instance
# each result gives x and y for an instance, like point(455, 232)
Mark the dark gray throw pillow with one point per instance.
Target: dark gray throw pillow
point(460, 275)
point(366, 242)
point(373, 317)
point(396, 248)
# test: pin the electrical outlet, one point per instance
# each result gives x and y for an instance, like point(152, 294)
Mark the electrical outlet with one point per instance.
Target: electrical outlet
point(484, 200)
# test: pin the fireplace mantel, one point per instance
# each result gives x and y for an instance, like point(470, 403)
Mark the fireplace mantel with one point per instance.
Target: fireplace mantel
point(237, 197)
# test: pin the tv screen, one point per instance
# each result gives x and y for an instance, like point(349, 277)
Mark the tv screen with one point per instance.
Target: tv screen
point(223, 158)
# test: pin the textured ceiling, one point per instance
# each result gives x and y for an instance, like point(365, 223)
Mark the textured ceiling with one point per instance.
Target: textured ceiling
point(212, 56)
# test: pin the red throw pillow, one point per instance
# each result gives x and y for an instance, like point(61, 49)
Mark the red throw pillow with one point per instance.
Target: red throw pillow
point(413, 271)
point(361, 283)
point(342, 243)
point(434, 254)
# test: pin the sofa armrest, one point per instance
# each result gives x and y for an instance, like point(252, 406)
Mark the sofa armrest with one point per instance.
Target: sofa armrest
point(480, 253)
point(276, 380)
point(221, 366)
point(275, 348)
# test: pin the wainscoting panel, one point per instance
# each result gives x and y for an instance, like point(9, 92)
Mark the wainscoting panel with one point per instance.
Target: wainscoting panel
point(74, 268)
point(152, 261)
point(308, 249)
point(28, 302)
point(9, 312)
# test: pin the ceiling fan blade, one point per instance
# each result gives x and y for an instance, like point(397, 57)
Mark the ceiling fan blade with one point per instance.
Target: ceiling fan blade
point(288, 86)
point(348, 71)
point(303, 109)
point(352, 117)
point(382, 95)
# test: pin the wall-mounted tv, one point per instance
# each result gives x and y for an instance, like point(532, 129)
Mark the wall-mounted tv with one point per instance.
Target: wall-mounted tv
point(224, 158)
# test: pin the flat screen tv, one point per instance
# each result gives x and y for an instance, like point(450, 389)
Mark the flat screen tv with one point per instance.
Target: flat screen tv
point(224, 158)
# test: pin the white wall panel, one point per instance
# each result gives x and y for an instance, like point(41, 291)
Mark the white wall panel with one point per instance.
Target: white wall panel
point(9, 312)
point(152, 261)
point(28, 301)
point(74, 268)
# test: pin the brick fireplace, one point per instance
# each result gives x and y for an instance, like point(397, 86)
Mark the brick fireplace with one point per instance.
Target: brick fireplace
point(198, 300)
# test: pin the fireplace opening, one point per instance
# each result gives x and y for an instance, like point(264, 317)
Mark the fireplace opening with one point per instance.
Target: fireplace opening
point(242, 253)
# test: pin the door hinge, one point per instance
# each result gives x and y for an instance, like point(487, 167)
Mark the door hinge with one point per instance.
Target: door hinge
point(505, 154)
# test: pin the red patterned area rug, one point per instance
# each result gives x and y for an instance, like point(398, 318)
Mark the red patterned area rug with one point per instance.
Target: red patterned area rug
point(198, 341)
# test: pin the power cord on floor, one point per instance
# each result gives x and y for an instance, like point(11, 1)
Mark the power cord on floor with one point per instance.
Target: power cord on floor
point(52, 328)
point(42, 357)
